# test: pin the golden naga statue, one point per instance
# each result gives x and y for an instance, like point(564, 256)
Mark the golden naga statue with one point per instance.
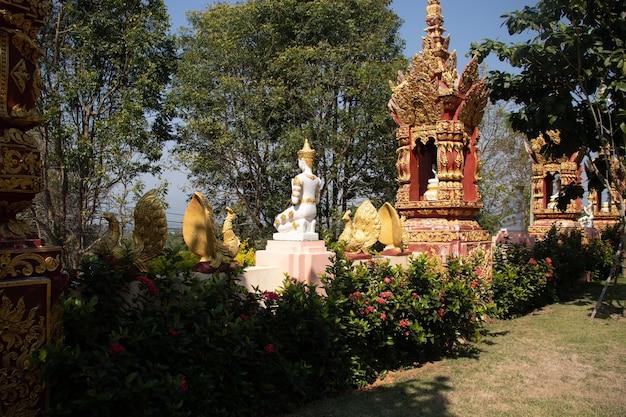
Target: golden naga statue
point(362, 232)
point(148, 237)
point(392, 232)
point(199, 233)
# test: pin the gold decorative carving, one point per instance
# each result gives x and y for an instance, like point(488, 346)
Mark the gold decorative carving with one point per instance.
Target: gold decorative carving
point(23, 333)
point(26, 263)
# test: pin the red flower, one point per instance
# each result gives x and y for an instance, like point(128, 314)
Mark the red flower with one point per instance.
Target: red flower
point(116, 348)
point(270, 296)
point(387, 280)
point(183, 383)
point(368, 310)
point(414, 295)
point(404, 323)
point(381, 300)
point(355, 296)
point(479, 272)
point(383, 316)
point(549, 261)
point(474, 284)
point(532, 261)
point(244, 317)
point(386, 294)
point(269, 348)
point(173, 331)
point(149, 283)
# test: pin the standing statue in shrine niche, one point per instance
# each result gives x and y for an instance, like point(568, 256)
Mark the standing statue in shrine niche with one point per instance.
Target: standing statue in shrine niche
point(305, 195)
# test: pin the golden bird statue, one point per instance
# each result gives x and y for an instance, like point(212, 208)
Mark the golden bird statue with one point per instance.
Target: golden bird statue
point(199, 233)
point(149, 233)
point(361, 232)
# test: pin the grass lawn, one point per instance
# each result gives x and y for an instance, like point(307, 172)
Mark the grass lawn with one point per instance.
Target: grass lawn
point(556, 361)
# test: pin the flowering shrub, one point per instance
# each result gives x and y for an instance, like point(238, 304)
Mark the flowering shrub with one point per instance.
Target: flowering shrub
point(575, 258)
point(166, 343)
point(141, 344)
point(391, 317)
point(521, 282)
point(246, 255)
point(177, 345)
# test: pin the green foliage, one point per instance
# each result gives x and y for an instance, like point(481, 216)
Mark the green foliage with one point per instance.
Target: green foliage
point(571, 77)
point(505, 170)
point(256, 78)
point(105, 67)
point(572, 72)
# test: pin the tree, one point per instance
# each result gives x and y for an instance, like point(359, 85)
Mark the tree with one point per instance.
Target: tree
point(105, 66)
point(572, 78)
point(505, 171)
point(257, 78)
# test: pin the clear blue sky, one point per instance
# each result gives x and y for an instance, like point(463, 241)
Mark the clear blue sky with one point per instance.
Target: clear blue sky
point(466, 21)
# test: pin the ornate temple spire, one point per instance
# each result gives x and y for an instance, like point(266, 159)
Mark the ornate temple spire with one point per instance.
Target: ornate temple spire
point(435, 42)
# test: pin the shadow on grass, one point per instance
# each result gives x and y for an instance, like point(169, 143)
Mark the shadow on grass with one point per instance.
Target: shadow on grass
point(399, 399)
point(612, 302)
point(488, 337)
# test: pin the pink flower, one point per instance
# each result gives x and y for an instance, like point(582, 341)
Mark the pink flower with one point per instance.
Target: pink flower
point(532, 261)
point(387, 280)
point(381, 300)
point(383, 316)
point(404, 323)
point(183, 383)
point(269, 348)
point(414, 295)
point(173, 331)
point(479, 272)
point(549, 261)
point(474, 284)
point(149, 283)
point(116, 348)
point(386, 294)
point(407, 333)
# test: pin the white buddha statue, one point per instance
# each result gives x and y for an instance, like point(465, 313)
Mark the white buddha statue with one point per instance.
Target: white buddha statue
point(298, 221)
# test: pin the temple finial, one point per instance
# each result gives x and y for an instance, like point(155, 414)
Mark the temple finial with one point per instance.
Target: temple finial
point(435, 41)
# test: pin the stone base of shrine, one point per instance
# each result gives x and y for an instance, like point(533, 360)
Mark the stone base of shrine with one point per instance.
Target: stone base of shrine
point(442, 237)
point(540, 227)
point(505, 236)
point(398, 260)
point(301, 260)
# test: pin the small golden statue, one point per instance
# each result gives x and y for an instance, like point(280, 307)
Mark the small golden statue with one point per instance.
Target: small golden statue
point(148, 237)
point(201, 238)
point(362, 232)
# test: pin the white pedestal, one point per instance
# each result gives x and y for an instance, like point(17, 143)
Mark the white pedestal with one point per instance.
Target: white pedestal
point(301, 260)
